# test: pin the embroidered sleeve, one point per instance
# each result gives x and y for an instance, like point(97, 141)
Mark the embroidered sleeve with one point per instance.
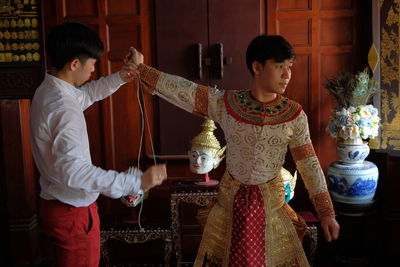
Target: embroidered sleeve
point(195, 98)
point(308, 165)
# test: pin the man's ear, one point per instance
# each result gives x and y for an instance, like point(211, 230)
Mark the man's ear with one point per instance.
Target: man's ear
point(256, 66)
point(73, 64)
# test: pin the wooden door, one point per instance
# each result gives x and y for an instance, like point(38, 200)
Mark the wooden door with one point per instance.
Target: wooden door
point(233, 24)
point(328, 38)
point(209, 23)
point(114, 123)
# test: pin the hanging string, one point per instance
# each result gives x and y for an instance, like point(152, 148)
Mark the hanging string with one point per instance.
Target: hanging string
point(147, 122)
point(143, 114)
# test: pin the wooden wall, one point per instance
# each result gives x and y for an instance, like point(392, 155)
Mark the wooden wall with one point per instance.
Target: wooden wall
point(328, 35)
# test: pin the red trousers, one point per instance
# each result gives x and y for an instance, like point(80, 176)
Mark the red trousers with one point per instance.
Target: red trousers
point(74, 233)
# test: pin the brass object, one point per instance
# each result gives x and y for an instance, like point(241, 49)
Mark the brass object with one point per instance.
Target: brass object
point(373, 58)
point(20, 33)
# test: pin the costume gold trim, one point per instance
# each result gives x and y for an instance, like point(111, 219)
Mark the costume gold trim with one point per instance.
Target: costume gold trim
point(323, 204)
point(201, 100)
point(149, 76)
point(243, 107)
point(282, 244)
point(303, 152)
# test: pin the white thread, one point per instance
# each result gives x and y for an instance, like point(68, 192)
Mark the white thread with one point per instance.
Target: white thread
point(143, 115)
point(147, 123)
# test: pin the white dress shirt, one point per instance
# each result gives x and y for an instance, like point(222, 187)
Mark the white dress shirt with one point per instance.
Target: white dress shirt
point(60, 144)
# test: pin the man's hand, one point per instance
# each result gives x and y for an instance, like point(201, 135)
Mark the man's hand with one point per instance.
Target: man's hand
point(154, 176)
point(330, 227)
point(129, 70)
point(136, 57)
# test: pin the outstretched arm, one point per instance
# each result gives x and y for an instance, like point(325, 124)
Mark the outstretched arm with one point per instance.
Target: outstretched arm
point(198, 99)
point(308, 165)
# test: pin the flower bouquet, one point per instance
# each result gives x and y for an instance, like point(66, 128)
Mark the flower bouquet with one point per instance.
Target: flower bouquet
point(351, 123)
point(354, 119)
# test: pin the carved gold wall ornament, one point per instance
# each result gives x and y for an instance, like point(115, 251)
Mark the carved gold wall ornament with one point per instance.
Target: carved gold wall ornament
point(36, 56)
point(20, 33)
point(20, 23)
point(27, 22)
point(390, 73)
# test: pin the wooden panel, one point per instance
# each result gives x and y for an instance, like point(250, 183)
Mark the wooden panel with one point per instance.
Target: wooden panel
point(196, 22)
point(19, 181)
point(107, 121)
point(389, 185)
point(128, 8)
point(126, 124)
point(298, 31)
point(243, 19)
point(50, 9)
point(336, 4)
point(334, 64)
point(336, 44)
point(331, 65)
point(177, 33)
point(121, 37)
point(299, 87)
point(76, 8)
point(113, 124)
point(338, 31)
point(293, 5)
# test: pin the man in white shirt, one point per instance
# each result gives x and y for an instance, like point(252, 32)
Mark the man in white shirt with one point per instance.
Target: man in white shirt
point(70, 183)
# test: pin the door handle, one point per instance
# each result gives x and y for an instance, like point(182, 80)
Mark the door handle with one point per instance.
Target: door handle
point(199, 59)
point(220, 61)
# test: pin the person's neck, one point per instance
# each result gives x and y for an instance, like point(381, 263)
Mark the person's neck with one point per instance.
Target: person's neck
point(62, 75)
point(261, 95)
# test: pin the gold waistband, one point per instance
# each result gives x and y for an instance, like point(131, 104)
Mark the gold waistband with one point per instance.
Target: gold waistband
point(274, 188)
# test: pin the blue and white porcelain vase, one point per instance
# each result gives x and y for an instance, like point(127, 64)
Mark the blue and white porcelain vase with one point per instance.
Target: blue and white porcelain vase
point(352, 179)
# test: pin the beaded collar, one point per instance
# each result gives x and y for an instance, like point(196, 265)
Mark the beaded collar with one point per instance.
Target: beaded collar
point(243, 107)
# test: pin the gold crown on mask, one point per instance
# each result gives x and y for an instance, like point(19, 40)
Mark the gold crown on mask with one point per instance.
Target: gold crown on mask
point(206, 138)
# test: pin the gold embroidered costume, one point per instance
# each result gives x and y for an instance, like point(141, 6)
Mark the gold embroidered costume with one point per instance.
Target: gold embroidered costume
point(257, 136)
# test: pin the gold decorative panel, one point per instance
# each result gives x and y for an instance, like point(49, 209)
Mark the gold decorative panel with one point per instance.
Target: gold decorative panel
point(20, 34)
point(373, 58)
point(390, 73)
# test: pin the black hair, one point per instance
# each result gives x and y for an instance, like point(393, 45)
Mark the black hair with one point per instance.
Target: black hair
point(265, 47)
point(72, 40)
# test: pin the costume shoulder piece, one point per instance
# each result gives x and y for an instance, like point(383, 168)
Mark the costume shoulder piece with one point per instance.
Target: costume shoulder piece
point(243, 107)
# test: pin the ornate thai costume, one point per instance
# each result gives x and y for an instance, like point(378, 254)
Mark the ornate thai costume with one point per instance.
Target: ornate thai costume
point(250, 225)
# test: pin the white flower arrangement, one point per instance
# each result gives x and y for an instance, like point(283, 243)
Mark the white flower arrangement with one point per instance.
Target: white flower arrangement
point(354, 122)
point(354, 119)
